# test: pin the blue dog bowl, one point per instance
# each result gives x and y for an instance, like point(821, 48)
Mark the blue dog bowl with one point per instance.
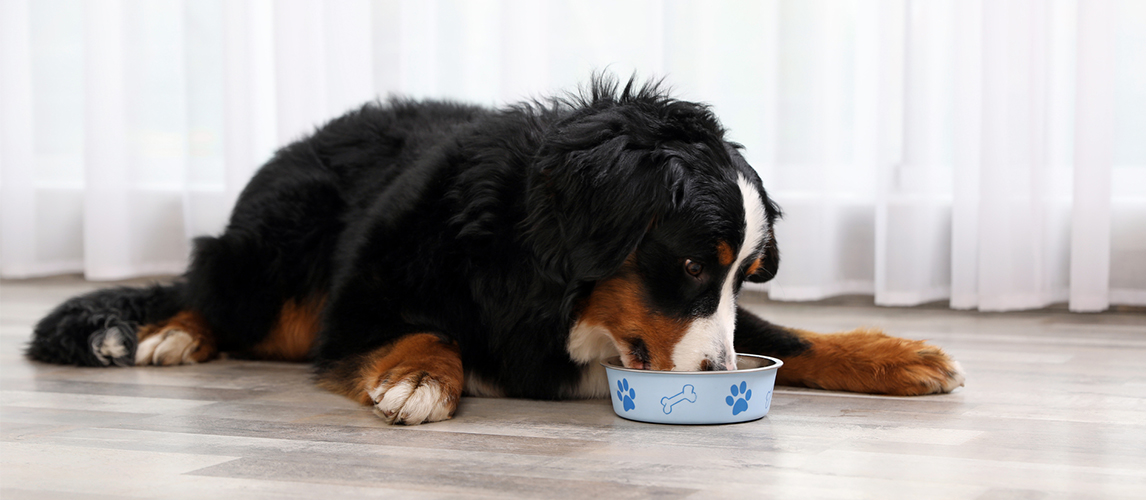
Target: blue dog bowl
point(667, 397)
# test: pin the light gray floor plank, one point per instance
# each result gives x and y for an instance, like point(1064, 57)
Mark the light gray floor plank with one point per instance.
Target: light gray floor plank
point(1054, 407)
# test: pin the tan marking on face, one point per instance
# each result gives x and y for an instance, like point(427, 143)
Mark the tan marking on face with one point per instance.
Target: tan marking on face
point(618, 305)
point(753, 268)
point(724, 253)
point(293, 334)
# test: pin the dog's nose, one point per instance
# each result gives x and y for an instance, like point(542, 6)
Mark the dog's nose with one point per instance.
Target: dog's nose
point(717, 365)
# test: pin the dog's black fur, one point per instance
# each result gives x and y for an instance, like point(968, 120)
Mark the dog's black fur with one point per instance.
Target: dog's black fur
point(486, 227)
point(69, 333)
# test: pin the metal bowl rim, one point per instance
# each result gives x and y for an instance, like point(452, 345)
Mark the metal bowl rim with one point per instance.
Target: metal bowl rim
point(608, 363)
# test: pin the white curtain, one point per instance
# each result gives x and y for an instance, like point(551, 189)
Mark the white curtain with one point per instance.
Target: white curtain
point(992, 153)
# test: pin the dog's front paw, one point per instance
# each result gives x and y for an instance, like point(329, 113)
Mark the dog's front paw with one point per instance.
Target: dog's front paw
point(928, 370)
point(415, 379)
point(414, 398)
point(871, 362)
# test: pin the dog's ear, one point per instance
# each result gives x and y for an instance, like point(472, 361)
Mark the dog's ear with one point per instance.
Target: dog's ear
point(592, 195)
point(769, 262)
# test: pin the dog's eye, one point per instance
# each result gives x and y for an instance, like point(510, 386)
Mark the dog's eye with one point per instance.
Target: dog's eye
point(692, 267)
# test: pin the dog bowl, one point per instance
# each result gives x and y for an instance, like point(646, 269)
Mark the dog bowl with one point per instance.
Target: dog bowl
point(667, 397)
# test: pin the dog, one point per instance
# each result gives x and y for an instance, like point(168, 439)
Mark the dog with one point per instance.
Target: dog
point(416, 251)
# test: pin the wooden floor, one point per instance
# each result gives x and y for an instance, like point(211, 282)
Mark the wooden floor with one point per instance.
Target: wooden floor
point(1054, 407)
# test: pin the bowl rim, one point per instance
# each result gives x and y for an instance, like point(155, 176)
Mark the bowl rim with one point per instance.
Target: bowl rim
point(776, 364)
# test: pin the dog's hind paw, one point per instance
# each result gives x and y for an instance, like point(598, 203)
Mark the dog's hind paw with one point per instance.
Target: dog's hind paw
point(166, 348)
point(183, 339)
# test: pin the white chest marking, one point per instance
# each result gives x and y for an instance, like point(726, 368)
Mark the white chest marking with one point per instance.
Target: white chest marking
point(590, 344)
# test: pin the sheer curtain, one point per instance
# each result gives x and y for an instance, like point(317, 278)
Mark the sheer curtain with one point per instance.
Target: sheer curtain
point(986, 153)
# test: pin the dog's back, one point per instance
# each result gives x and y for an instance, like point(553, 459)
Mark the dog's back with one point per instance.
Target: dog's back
point(259, 286)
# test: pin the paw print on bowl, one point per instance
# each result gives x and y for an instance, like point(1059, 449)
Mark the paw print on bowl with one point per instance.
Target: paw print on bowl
point(739, 404)
point(626, 394)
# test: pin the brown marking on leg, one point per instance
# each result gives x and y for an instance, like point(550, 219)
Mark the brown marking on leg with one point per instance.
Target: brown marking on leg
point(183, 338)
point(416, 379)
point(869, 361)
point(618, 305)
point(724, 253)
point(293, 334)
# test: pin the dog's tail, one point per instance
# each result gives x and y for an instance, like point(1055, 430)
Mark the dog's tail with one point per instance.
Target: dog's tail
point(99, 328)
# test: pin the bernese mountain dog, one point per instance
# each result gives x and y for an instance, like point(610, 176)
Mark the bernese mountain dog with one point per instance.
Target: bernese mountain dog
point(416, 251)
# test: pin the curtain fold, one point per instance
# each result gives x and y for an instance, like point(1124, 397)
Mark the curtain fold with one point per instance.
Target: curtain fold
point(18, 235)
point(1016, 245)
point(108, 236)
point(985, 153)
point(248, 92)
point(1093, 158)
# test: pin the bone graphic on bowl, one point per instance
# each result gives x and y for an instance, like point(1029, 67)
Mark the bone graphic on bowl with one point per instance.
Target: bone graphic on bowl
point(687, 393)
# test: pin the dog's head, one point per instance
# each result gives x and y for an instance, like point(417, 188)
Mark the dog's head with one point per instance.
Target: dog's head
point(655, 221)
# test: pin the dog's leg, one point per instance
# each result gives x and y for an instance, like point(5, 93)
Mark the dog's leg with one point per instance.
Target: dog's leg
point(417, 378)
point(863, 360)
point(180, 340)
